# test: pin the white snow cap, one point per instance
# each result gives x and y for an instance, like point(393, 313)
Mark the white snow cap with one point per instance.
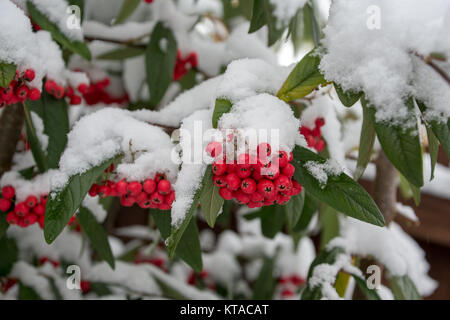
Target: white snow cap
point(371, 45)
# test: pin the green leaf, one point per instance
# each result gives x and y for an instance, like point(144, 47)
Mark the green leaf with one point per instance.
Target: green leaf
point(348, 98)
point(4, 225)
point(294, 208)
point(96, 235)
point(272, 220)
point(127, 8)
point(262, 14)
point(370, 294)
point(341, 192)
point(189, 248)
point(433, 148)
point(7, 73)
point(401, 145)
point(310, 206)
point(403, 288)
point(160, 61)
point(366, 142)
point(27, 293)
point(265, 284)
point(54, 115)
point(122, 53)
point(62, 205)
point(330, 224)
point(210, 201)
point(41, 19)
point(222, 106)
point(303, 79)
point(177, 233)
point(408, 190)
point(311, 27)
point(163, 221)
point(8, 255)
point(36, 149)
point(440, 129)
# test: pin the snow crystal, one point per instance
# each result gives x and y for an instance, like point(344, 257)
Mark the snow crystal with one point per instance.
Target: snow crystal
point(320, 171)
point(377, 55)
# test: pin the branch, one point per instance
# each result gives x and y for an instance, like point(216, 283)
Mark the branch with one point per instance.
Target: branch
point(386, 182)
point(11, 123)
point(429, 61)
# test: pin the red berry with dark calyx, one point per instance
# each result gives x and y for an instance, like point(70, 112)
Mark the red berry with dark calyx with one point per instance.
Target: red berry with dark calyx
point(264, 150)
point(232, 181)
point(296, 187)
point(157, 198)
point(31, 201)
point(127, 201)
point(8, 92)
point(22, 93)
point(214, 149)
point(134, 188)
point(5, 204)
point(271, 172)
point(83, 88)
point(29, 75)
point(30, 219)
point(283, 184)
point(149, 186)
point(241, 197)
point(219, 169)
point(164, 187)
point(243, 172)
point(248, 186)
point(226, 193)
point(39, 210)
point(21, 209)
point(93, 191)
point(12, 218)
point(288, 170)
point(282, 159)
point(257, 197)
point(170, 198)
point(121, 187)
point(34, 94)
point(267, 189)
point(104, 191)
point(75, 100)
point(219, 181)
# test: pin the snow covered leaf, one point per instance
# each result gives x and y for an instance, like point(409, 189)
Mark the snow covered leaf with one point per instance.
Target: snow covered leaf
point(222, 106)
point(310, 206)
point(9, 253)
point(403, 288)
point(366, 142)
point(440, 129)
point(75, 46)
point(294, 208)
point(264, 287)
point(303, 79)
point(122, 53)
point(433, 149)
point(35, 145)
point(160, 60)
point(370, 294)
point(340, 192)
point(7, 73)
point(127, 8)
point(3, 224)
point(62, 205)
point(262, 15)
point(210, 201)
point(54, 115)
point(348, 98)
point(401, 145)
point(96, 235)
point(272, 220)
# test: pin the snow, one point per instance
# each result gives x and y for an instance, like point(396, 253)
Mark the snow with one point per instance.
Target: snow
point(109, 132)
point(95, 207)
point(285, 10)
point(39, 185)
point(30, 277)
point(378, 58)
point(407, 212)
point(39, 129)
point(321, 171)
point(122, 32)
point(390, 246)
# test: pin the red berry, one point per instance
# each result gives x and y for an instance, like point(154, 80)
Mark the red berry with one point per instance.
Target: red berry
point(134, 188)
point(282, 159)
point(127, 201)
point(31, 201)
point(283, 184)
point(121, 187)
point(257, 197)
point(231, 167)
point(22, 92)
point(266, 188)
point(93, 191)
point(243, 172)
point(219, 181)
point(59, 92)
point(248, 185)
point(164, 206)
point(83, 88)
point(39, 210)
point(85, 286)
point(232, 180)
point(164, 187)
point(159, 177)
point(214, 149)
point(69, 92)
point(320, 145)
point(43, 200)
point(170, 198)
point(264, 149)
point(8, 192)
point(41, 220)
point(5, 204)
point(29, 75)
point(148, 1)
point(244, 161)
point(8, 92)
point(271, 172)
point(11, 218)
point(297, 280)
point(50, 87)
point(282, 199)
point(241, 197)
point(21, 209)
point(157, 198)
point(34, 94)
point(75, 100)
point(296, 187)
point(256, 175)
point(149, 186)
point(219, 169)
point(226, 193)
point(288, 171)
point(319, 122)
point(104, 191)
point(287, 293)
point(30, 219)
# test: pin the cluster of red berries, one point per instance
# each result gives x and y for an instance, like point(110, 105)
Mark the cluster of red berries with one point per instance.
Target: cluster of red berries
point(314, 136)
point(156, 261)
point(47, 259)
point(96, 93)
point(148, 1)
point(7, 284)
point(256, 182)
point(290, 284)
point(18, 90)
point(59, 92)
point(156, 193)
point(183, 65)
point(24, 213)
point(201, 278)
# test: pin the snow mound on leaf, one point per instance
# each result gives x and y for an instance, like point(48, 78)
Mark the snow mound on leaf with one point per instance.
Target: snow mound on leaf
point(39, 185)
point(271, 119)
point(104, 134)
point(378, 57)
point(390, 246)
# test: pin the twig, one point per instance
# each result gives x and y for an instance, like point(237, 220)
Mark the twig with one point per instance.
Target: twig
point(429, 61)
